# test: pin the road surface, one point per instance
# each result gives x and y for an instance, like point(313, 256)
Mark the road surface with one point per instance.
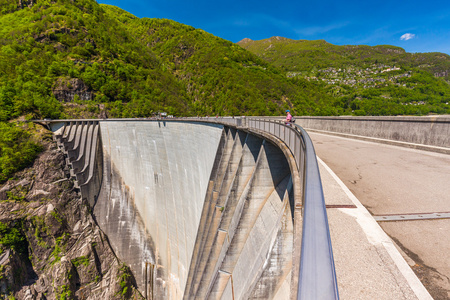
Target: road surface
point(396, 180)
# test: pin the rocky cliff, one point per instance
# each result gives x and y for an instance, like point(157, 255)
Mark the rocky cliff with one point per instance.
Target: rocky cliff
point(50, 245)
point(70, 89)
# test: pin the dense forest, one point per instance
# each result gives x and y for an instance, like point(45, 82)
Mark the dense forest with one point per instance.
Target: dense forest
point(80, 59)
point(66, 59)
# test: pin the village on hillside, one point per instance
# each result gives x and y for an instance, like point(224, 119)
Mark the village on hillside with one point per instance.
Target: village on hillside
point(377, 75)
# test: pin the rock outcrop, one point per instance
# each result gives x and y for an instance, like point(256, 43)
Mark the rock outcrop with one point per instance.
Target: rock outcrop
point(51, 247)
point(69, 89)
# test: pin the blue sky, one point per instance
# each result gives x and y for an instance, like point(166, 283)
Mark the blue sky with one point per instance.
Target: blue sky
point(416, 26)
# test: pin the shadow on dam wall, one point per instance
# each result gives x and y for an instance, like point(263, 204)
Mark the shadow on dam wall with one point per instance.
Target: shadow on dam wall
point(197, 210)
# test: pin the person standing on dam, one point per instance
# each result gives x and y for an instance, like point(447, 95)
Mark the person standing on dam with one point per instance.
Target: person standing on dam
point(288, 117)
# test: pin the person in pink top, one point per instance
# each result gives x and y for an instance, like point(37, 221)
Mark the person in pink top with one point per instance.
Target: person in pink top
point(288, 117)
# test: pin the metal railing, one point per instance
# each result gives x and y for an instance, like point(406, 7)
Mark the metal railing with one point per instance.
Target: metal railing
point(317, 275)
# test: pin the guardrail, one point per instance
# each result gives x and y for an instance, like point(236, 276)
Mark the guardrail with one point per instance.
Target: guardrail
point(317, 275)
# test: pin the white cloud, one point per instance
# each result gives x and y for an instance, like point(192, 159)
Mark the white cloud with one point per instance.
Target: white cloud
point(407, 36)
point(308, 31)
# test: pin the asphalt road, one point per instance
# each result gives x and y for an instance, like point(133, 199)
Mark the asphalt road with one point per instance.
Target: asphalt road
point(396, 180)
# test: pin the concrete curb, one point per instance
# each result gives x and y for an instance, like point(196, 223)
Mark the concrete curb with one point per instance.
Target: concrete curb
point(376, 235)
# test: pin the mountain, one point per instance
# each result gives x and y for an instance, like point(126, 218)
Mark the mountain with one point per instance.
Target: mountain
point(66, 58)
point(304, 55)
point(63, 58)
point(71, 59)
point(364, 80)
point(219, 76)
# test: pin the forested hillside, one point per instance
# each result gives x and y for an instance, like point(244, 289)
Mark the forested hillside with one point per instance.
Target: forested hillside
point(58, 55)
point(59, 52)
point(364, 80)
point(219, 76)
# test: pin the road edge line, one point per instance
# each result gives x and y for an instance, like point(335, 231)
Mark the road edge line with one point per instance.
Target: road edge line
point(369, 226)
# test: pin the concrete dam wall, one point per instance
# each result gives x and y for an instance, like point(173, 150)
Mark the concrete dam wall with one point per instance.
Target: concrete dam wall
point(426, 130)
point(197, 210)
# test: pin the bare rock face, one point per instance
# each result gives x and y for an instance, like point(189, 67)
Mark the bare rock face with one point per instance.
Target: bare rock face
point(245, 41)
point(26, 3)
point(57, 250)
point(441, 73)
point(12, 6)
point(68, 89)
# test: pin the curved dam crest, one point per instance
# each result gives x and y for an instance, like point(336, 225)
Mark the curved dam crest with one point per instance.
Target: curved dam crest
point(197, 210)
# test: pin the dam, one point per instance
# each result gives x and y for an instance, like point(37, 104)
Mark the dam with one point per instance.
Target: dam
point(197, 210)
point(234, 208)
